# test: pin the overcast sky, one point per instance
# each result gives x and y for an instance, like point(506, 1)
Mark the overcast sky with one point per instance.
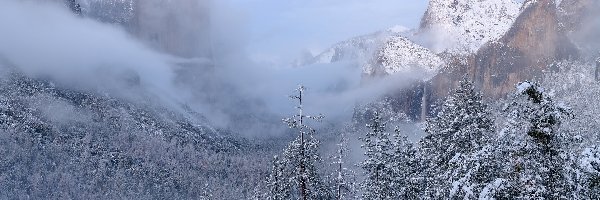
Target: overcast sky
point(281, 29)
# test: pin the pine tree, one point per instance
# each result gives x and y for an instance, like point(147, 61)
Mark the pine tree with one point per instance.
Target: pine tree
point(278, 187)
point(343, 179)
point(74, 6)
point(404, 167)
point(538, 165)
point(590, 173)
point(462, 127)
point(379, 181)
point(299, 161)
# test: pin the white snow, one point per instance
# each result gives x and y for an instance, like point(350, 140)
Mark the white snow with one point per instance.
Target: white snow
point(400, 55)
point(590, 159)
point(489, 189)
point(463, 26)
point(522, 87)
point(396, 53)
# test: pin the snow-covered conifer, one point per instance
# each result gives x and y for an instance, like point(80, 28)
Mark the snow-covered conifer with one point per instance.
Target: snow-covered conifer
point(461, 128)
point(404, 167)
point(299, 160)
point(537, 165)
point(379, 181)
point(343, 179)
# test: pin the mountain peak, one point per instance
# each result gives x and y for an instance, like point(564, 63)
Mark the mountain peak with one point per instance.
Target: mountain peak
point(463, 26)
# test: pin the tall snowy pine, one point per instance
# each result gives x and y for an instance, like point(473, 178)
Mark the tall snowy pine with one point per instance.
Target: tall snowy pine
point(461, 128)
point(379, 181)
point(405, 167)
point(298, 162)
point(537, 163)
point(343, 180)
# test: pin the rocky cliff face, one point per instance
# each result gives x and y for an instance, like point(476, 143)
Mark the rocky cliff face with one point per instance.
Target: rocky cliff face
point(496, 43)
point(533, 43)
point(181, 29)
point(528, 48)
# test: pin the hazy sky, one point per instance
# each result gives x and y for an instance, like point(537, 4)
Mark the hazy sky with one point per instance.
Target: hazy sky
point(282, 29)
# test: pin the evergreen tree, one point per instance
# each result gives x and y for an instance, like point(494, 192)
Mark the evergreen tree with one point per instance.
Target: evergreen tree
point(74, 6)
point(379, 182)
point(278, 187)
point(537, 163)
point(404, 167)
point(343, 179)
point(590, 173)
point(462, 127)
point(299, 161)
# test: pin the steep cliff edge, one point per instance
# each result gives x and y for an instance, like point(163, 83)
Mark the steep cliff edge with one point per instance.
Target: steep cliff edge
point(528, 48)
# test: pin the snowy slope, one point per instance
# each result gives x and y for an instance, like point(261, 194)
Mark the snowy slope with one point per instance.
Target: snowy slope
point(463, 26)
point(400, 55)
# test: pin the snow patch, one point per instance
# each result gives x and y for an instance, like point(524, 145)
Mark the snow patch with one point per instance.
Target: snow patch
point(522, 87)
point(590, 160)
point(489, 190)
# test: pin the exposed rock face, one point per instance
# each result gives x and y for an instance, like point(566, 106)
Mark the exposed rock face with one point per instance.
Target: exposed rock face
point(527, 49)
point(533, 42)
point(496, 43)
point(523, 52)
point(181, 28)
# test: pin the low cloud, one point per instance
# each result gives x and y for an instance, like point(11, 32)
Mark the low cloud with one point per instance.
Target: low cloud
point(45, 40)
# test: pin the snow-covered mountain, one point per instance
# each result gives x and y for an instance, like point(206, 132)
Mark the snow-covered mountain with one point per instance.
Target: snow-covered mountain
point(361, 48)
point(458, 27)
point(400, 55)
point(388, 52)
point(463, 26)
point(496, 42)
point(529, 48)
